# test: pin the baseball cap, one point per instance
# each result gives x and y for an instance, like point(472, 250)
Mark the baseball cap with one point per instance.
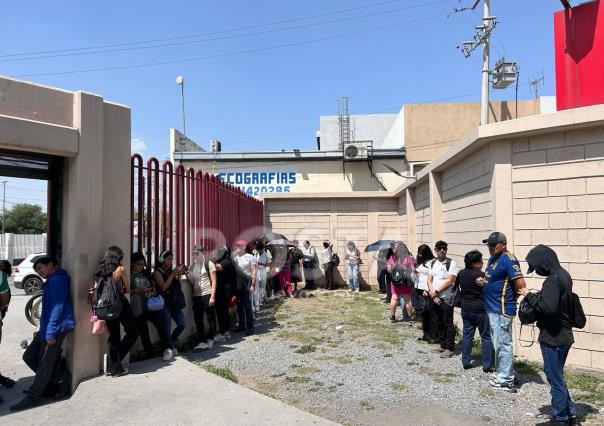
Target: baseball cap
point(495, 237)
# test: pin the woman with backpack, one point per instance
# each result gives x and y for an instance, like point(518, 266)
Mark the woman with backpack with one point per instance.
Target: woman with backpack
point(142, 286)
point(111, 272)
point(424, 257)
point(167, 280)
point(400, 267)
point(203, 281)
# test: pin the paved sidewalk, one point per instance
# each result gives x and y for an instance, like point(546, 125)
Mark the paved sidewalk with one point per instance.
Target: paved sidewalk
point(155, 392)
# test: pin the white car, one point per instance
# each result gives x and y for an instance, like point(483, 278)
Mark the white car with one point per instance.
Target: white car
point(25, 276)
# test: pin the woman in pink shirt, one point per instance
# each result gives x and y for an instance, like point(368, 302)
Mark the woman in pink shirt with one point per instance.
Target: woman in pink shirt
point(401, 267)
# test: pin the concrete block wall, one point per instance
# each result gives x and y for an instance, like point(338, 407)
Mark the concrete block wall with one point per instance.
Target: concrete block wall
point(423, 214)
point(466, 203)
point(558, 200)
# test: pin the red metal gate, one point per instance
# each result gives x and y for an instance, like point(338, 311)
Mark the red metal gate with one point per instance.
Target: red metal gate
point(176, 208)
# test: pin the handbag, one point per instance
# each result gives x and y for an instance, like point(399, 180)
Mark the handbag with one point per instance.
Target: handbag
point(98, 326)
point(155, 303)
point(174, 298)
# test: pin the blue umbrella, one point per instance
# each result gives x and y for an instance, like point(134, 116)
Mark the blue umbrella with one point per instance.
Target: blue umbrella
point(380, 245)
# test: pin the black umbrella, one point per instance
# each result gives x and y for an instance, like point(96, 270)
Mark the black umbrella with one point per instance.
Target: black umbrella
point(270, 236)
point(281, 242)
point(380, 245)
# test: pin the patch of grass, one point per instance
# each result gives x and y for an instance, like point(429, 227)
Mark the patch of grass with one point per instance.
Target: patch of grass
point(344, 359)
point(275, 376)
point(487, 394)
point(592, 387)
point(527, 367)
point(306, 370)
point(438, 376)
point(297, 379)
point(399, 386)
point(319, 384)
point(332, 388)
point(476, 349)
point(366, 405)
point(295, 366)
point(387, 355)
point(305, 349)
point(325, 358)
point(340, 384)
point(225, 373)
point(314, 389)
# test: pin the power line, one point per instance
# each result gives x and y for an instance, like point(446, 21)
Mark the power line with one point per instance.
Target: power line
point(153, 46)
point(235, 53)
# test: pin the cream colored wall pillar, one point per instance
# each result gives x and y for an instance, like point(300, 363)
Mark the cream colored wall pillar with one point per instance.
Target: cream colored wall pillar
point(502, 209)
point(411, 218)
point(436, 206)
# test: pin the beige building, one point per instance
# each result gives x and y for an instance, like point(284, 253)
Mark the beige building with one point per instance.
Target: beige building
point(80, 143)
point(538, 179)
point(388, 148)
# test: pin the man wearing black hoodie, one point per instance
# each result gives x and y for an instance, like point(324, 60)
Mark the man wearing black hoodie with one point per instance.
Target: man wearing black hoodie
point(555, 327)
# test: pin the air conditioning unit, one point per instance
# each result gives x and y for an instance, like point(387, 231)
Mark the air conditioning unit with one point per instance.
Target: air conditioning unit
point(355, 151)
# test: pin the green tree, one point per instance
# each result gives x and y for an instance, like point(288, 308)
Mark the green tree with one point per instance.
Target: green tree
point(25, 219)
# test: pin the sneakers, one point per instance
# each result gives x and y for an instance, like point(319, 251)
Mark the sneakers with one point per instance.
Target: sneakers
point(120, 373)
point(508, 387)
point(447, 354)
point(488, 370)
point(410, 324)
point(227, 335)
point(439, 349)
point(175, 352)
point(392, 319)
point(200, 347)
point(168, 355)
point(219, 338)
point(210, 343)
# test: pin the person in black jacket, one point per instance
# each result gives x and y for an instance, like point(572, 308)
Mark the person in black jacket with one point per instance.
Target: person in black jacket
point(555, 327)
point(473, 314)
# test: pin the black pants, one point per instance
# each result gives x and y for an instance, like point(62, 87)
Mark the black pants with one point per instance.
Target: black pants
point(429, 320)
point(382, 278)
point(244, 310)
point(43, 359)
point(222, 312)
point(445, 326)
point(118, 347)
point(162, 322)
point(201, 309)
point(329, 275)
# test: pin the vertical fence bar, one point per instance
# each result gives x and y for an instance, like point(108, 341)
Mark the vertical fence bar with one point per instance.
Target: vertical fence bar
point(167, 205)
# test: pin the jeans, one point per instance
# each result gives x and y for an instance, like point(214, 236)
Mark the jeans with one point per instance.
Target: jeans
point(328, 268)
point(43, 359)
point(353, 276)
point(118, 347)
point(181, 323)
point(161, 320)
point(501, 336)
point(471, 322)
point(445, 326)
point(554, 358)
point(244, 310)
point(201, 309)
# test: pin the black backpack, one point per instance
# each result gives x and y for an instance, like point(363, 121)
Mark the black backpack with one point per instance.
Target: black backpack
point(575, 311)
point(401, 275)
point(335, 259)
point(527, 314)
point(107, 300)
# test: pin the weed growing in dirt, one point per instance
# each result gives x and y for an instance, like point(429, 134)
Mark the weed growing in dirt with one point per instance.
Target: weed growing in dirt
point(366, 405)
point(527, 367)
point(306, 349)
point(438, 376)
point(225, 373)
point(399, 386)
point(592, 387)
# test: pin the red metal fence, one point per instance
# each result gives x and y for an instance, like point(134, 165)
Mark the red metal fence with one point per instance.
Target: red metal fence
point(176, 208)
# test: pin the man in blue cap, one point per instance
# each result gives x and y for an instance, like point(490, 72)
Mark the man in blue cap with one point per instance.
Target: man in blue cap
point(504, 280)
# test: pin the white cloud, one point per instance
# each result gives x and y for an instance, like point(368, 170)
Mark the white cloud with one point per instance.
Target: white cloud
point(138, 145)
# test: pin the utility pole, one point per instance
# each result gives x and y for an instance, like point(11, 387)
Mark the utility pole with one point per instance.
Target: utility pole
point(3, 205)
point(181, 82)
point(484, 102)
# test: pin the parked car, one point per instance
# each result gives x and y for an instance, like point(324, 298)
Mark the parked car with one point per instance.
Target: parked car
point(25, 276)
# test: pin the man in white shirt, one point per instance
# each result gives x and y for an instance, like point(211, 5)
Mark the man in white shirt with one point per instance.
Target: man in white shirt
point(441, 278)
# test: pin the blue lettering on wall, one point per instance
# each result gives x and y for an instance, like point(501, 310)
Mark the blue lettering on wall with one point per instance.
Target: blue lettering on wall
point(255, 183)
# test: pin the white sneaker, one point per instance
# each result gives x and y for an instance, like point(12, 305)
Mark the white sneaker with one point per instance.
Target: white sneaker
point(168, 355)
point(175, 352)
point(227, 335)
point(210, 343)
point(219, 338)
point(201, 347)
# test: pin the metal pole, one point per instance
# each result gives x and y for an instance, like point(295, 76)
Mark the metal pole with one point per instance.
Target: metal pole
point(182, 92)
point(3, 206)
point(484, 103)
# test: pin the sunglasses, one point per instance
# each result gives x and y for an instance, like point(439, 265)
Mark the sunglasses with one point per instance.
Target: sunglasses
point(441, 249)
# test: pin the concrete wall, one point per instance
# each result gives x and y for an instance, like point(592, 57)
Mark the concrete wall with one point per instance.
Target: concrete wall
point(316, 175)
point(371, 127)
point(425, 141)
point(538, 179)
point(93, 136)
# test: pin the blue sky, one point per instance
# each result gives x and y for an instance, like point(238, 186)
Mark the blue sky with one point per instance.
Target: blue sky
point(270, 98)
